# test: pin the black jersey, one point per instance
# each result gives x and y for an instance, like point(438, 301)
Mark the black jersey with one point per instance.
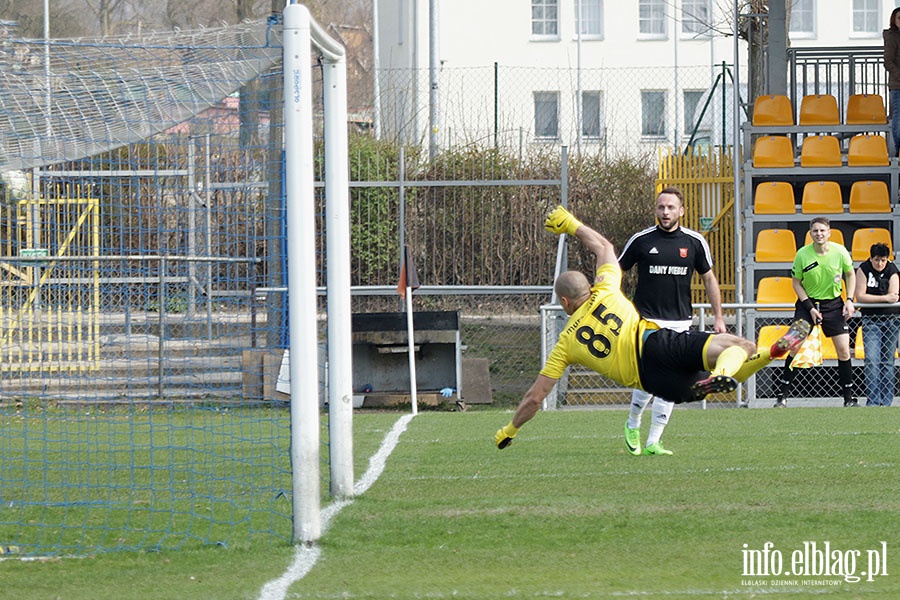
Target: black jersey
point(877, 285)
point(666, 263)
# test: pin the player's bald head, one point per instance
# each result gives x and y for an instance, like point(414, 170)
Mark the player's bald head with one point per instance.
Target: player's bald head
point(573, 288)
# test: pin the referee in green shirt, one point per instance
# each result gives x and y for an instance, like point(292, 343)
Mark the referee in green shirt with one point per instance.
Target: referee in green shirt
point(816, 275)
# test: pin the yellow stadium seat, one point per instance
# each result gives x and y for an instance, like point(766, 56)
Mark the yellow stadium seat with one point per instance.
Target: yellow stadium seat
point(865, 109)
point(864, 238)
point(822, 197)
point(774, 110)
point(819, 109)
point(835, 235)
point(820, 151)
point(869, 197)
point(828, 350)
point(868, 150)
point(775, 290)
point(769, 334)
point(774, 198)
point(773, 151)
point(775, 245)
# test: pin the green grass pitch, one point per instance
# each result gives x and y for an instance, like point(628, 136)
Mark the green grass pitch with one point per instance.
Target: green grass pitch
point(565, 512)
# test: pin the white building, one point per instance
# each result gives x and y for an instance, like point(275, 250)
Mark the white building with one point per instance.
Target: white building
point(512, 71)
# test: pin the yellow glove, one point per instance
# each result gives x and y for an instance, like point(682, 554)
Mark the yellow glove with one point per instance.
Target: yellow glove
point(562, 221)
point(505, 435)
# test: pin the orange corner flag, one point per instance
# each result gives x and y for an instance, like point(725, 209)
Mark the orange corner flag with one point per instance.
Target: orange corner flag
point(408, 277)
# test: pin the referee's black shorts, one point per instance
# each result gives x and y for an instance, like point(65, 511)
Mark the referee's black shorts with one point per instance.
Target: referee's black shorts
point(833, 321)
point(671, 362)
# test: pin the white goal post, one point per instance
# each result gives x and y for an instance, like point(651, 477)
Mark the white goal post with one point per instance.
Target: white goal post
point(302, 35)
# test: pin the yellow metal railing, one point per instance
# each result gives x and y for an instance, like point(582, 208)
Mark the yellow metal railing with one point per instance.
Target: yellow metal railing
point(49, 305)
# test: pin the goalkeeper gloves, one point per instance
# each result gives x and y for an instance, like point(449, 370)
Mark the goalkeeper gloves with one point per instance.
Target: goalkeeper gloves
point(562, 221)
point(505, 435)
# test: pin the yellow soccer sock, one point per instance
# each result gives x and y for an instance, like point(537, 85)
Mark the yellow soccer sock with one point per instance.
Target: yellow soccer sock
point(753, 364)
point(730, 361)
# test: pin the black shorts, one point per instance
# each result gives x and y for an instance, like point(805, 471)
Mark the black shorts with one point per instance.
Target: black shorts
point(833, 322)
point(671, 362)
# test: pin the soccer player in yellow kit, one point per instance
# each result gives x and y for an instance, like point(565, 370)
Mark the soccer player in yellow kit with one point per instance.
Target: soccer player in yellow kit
point(605, 333)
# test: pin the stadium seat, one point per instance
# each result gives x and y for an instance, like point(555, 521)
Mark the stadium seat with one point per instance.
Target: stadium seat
point(868, 150)
point(769, 334)
point(865, 237)
point(774, 110)
point(836, 236)
point(774, 198)
point(819, 109)
point(869, 197)
point(822, 197)
point(773, 151)
point(820, 151)
point(775, 290)
point(775, 245)
point(865, 109)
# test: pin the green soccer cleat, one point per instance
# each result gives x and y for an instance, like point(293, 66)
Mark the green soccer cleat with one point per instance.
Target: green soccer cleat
point(712, 385)
point(656, 449)
point(791, 340)
point(633, 439)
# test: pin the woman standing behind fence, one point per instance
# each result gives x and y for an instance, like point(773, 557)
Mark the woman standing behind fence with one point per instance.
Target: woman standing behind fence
point(891, 37)
point(878, 281)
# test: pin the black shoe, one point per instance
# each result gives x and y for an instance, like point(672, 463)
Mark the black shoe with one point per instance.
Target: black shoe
point(712, 385)
point(851, 402)
point(780, 403)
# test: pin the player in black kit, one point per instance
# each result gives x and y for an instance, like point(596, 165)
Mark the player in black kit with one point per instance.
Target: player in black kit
point(666, 255)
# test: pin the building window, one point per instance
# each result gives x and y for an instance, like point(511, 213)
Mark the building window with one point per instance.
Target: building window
point(696, 18)
point(803, 19)
point(546, 115)
point(653, 113)
point(866, 16)
point(693, 104)
point(592, 115)
point(545, 18)
point(652, 18)
point(591, 18)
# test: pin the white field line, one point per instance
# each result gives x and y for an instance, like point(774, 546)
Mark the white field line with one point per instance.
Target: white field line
point(305, 556)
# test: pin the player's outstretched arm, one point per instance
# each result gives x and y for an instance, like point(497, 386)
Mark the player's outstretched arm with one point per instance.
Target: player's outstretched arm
point(561, 221)
point(528, 407)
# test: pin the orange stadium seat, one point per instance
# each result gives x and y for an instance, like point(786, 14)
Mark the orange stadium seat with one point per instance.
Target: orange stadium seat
point(819, 109)
point(865, 109)
point(774, 198)
point(835, 235)
point(868, 150)
point(769, 334)
point(773, 110)
point(865, 237)
point(775, 245)
point(820, 151)
point(869, 197)
point(773, 151)
point(822, 197)
point(775, 290)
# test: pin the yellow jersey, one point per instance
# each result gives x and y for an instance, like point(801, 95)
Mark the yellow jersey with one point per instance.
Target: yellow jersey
point(605, 334)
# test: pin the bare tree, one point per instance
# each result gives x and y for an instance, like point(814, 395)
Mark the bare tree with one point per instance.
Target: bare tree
point(64, 18)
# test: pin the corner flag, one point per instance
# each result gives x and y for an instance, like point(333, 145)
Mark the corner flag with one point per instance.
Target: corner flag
point(408, 277)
